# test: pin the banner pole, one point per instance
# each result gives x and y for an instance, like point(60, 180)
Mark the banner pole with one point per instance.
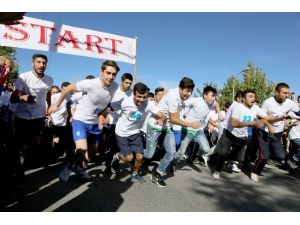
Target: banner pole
point(134, 69)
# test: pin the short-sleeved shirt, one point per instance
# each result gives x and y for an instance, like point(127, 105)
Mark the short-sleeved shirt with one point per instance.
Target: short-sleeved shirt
point(198, 111)
point(224, 123)
point(29, 84)
point(95, 98)
point(273, 108)
point(133, 117)
point(116, 102)
point(170, 103)
point(244, 114)
point(59, 118)
point(294, 132)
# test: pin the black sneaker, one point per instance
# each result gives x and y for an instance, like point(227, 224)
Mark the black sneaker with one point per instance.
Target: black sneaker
point(82, 173)
point(156, 178)
point(115, 164)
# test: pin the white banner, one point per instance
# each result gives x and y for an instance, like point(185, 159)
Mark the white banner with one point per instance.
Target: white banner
point(47, 36)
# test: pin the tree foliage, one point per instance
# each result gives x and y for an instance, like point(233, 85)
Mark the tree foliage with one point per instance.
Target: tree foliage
point(252, 78)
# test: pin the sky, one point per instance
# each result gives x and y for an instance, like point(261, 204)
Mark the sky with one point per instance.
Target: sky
point(203, 46)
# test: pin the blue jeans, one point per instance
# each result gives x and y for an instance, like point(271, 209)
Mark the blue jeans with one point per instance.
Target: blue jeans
point(169, 144)
point(187, 138)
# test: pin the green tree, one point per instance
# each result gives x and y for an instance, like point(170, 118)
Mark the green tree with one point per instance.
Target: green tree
point(253, 78)
point(226, 93)
point(11, 52)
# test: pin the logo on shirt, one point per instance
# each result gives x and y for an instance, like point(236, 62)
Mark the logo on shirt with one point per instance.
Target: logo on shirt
point(136, 116)
point(247, 119)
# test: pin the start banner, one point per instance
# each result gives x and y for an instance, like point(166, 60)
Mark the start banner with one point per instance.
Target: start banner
point(44, 35)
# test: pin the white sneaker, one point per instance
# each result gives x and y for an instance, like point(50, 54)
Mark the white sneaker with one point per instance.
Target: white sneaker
point(235, 168)
point(254, 177)
point(205, 158)
point(216, 175)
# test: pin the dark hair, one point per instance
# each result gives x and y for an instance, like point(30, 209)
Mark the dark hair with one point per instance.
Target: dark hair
point(298, 96)
point(186, 83)
point(90, 77)
point(65, 84)
point(140, 88)
point(127, 76)
point(38, 55)
point(238, 94)
point(281, 85)
point(158, 89)
point(227, 104)
point(54, 86)
point(150, 95)
point(110, 63)
point(244, 93)
point(208, 89)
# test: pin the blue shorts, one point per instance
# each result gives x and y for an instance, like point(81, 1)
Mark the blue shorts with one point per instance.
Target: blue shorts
point(133, 143)
point(90, 132)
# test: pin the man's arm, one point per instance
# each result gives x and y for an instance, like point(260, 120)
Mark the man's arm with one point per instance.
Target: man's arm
point(161, 118)
point(17, 96)
point(174, 118)
point(69, 89)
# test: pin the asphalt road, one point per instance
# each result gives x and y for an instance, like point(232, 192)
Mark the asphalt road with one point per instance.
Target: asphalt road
point(191, 189)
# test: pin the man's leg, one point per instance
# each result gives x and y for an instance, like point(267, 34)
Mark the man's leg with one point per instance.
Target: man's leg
point(263, 154)
point(186, 140)
point(203, 143)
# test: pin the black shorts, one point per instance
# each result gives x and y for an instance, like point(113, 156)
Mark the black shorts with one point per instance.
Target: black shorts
point(133, 143)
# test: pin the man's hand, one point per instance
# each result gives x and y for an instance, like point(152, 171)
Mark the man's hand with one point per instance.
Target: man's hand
point(52, 109)
point(196, 125)
point(27, 98)
point(159, 122)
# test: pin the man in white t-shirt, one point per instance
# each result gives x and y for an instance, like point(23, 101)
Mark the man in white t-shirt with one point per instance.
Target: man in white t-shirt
point(238, 98)
point(128, 134)
point(59, 121)
point(198, 110)
point(170, 105)
point(279, 108)
point(234, 136)
point(31, 94)
point(86, 133)
point(122, 93)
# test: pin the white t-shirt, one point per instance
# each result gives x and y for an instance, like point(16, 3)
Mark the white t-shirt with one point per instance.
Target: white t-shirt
point(182, 115)
point(198, 111)
point(274, 108)
point(95, 98)
point(116, 102)
point(213, 115)
point(149, 114)
point(244, 114)
point(75, 97)
point(59, 118)
point(171, 102)
point(295, 132)
point(29, 84)
point(133, 117)
point(224, 123)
